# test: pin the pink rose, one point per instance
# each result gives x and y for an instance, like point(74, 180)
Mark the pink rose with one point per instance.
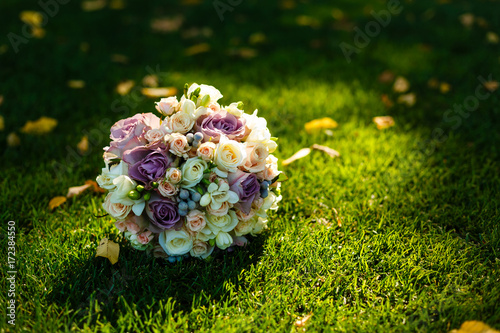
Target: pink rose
point(178, 144)
point(145, 237)
point(167, 106)
point(206, 151)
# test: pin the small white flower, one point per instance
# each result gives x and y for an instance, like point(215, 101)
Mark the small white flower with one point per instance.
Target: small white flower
point(233, 109)
point(217, 194)
point(105, 180)
point(224, 223)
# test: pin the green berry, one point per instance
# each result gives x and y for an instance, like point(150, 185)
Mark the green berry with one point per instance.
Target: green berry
point(140, 188)
point(134, 195)
point(147, 196)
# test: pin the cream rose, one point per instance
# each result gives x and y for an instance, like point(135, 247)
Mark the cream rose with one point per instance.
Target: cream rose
point(224, 223)
point(118, 210)
point(195, 220)
point(178, 144)
point(167, 189)
point(201, 249)
point(192, 172)
point(167, 106)
point(257, 154)
point(175, 242)
point(271, 170)
point(206, 151)
point(229, 155)
point(155, 135)
point(180, 123)
point(244, 227)
point(173, 175)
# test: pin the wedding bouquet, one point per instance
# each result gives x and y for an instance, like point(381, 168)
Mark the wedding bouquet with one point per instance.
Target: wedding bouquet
point(200, 177)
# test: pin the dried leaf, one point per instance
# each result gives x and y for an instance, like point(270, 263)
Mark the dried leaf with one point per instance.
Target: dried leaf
point(37, 32)
point(301, 322)
point(387, 101)
point(150, 81)
point(383, 122)
point(83, 145)
point(409, 99)
point(197, 49)
point(467, 19)
point(474, 326)
point(41, 126)
point(444, 87)
point(56, 202)
point(13, 140)
point(96, 188)
point(492, 37)
point(1, 99)
point(386, 76)
point(491, 85)
point(93, 5)
point(330, 151)
point(319, 124)
point(76, 84)
point(2, 123)
point(287, 4)
point(117, 4)
point(159, 92)
point(108, 249)
point(3, 49)
point(245, 52)
point(433, 83)
point(77, 190)
point(401, 85)
point(124, 87)
point(119, 58)
point(298, 155)
point(166, 24)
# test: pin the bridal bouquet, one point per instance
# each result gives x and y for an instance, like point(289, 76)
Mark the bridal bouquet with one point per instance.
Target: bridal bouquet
point(200, 177)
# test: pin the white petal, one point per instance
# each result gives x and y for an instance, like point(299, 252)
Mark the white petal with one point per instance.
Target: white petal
point(220, 173)
point(138, 208)
point(215, 205)
point(233, 197)
point(212, 187)
point(224, 187)
point(205, 200)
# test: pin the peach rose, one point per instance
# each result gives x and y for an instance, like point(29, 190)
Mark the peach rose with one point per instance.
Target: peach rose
point(195, 220)
point(167, 189)
point(206, 151)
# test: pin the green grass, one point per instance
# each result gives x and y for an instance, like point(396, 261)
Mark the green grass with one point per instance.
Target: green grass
point(418, 248)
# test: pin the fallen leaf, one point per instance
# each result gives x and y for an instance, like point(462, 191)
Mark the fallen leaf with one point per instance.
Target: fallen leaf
point(433, 83)
point(401, 85)
point(41, 126)
point(124, 87)
point(96, 188)
point(2, 123)
point(298, 155)
point(482, 22)
point(159, 92)
point(383, 122)
point(287, 4)
point(474, 326)
point(150, 81)
point(32, 18)
point(191, 2)
point(93, 5)
point(387, 101)
point(83, 145)
point(197, 49)
point(117, 4)
point(329, 132)
point(166, 24)
point(77, 190)
point(409, 99)
point(467, 19)
point(195, 32)
point(56, 202)
point(301, 322)
point(318, 124)
point(330, 151)
point(492, 37)
point(491, 85)
point(37, 32)
point(1, 99)
point(76, 84)
point(245, 52)
point(444, 87)
point(386, 76)
point(119, 58)
point(108, 249)
point(13, 140)
point(257, 38)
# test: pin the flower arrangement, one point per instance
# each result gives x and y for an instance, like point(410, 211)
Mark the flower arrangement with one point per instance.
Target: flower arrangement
point(201, 176)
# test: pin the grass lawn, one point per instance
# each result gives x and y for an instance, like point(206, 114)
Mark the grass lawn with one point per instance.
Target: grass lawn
point(418, 243)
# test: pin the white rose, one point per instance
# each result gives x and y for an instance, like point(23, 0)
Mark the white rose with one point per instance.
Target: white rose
point(192, 172)
point(229, 154)
point(179, 123)
point(188, 108)
point(105, 180)
point(224, 223)
point(213, 92)
point(175, 242)
point(201, 249)
point(257, 154)
point(233, 109)
point(206, 151)
point(223, 240)
point(117, 210)
point(167, 106)
point(178, 144)
point(155, 135)
point(253, 121)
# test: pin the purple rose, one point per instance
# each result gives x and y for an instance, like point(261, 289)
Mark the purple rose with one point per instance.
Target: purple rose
point(221, 123)
point(129, 133)
point(246, 186)
point(147, 164)
point(162, 212)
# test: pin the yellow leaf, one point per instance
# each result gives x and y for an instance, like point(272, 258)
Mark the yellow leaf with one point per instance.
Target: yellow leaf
point(257, 38)
point(318, 124)
point(409, 99)
point(491, 85)
point(108, 249)
point(84, 47)
point(150, 81)
point(159, 92)
point(166, 24)
point(41, 126)
point(401, 85)
point(474, 326)
point(300, 154)
point(330, 151)
point(444, 87)
point(13, 140)
point(77, 190)
point(56, 202)
point(37, 32)
point(467, 19)
point(383, 122)
point(83, 145)
point(433, 83)
point(301, 322)
point(2, 123)
point(492, 37)
point(124, 87)
point(3, 48)
point(93, 5)
point(197, 49)
point(32, 18)
point(76, 84)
